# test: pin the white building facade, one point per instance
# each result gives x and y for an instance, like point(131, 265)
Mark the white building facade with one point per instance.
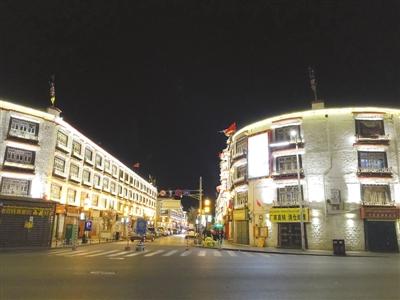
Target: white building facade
point(42, 156)
point(348, 180)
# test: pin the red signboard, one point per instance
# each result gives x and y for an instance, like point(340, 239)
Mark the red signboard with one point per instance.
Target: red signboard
point(380, 213)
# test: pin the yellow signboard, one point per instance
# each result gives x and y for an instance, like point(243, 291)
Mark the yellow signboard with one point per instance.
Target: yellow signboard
point(288, 215)
point(29, 211)
point(239, 215)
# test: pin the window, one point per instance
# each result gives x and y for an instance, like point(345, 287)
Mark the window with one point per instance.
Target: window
point(289, 195)
point(62, 139)
point(74, 171)
point(59, 165)
point(121, 175)
point(96, 179)
point(372, 160)
point(23, 129)
point(369, 128)
point(71, 195)
point(241, 199)
point(282, 134)
point(88, 154)
point(95, 200)
point(241, 146)
point(375, 194)
point(120, 190)
point(107, 165)
point(112, 187)
point(55, 191)
point(99, 161)
point(20, 156)
point(241, 172)
point(106, 183)
point(76, 148)
point(287, 164)
point(86, 175)
point(13, 186)
point(114, 171)
point(126, 177)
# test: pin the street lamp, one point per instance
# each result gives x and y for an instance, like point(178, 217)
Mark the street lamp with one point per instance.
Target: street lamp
point(294, 134)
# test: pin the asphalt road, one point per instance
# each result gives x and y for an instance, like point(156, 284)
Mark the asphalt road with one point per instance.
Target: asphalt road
point(166, 270)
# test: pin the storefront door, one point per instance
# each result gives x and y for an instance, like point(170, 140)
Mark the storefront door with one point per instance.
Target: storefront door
point(242, 232)
point(381, 236)
point(289, 235)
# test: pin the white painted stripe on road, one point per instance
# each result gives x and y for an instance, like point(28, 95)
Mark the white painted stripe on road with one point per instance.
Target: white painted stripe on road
point(248, 254)
point(118, 258)
point(85, 253)
point(202, 253)
point(264, 255)
point(231, 253)
point(154, 253)
point(60, 251)
point(186, 253)
point(217, 253)
point(71, 253)
point(119, 253)
point(103, 253)
point(137, 253)
point(170, 253)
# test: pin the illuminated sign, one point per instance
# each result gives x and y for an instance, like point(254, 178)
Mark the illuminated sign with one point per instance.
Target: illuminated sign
point(380, 213)
point(240, 214)
point(27, 211)
point(288, 215)
point(258, 155)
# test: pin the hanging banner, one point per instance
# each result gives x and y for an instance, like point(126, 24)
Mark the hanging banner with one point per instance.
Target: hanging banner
point(288, 215)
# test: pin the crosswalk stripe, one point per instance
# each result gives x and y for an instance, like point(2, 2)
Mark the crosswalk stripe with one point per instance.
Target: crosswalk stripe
point(59, 252)
point(85, 253)
point(103, 253)
point(71, 253)
point(217, 253)
point(170, 253)
point(137, 253)
point(202, 253)
point(154, 253)
point(264, 255)
point(118, 254)
point(186, 253)
point(231, 253)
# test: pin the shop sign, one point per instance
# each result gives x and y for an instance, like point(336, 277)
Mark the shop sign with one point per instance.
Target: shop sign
point(27, 211)
point(380, 213)
point(288, 215)
point(60, 209)
point(240, 214)
point(73, 211)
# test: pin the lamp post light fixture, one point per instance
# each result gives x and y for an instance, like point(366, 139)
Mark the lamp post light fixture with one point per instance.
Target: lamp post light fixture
point(295, 135)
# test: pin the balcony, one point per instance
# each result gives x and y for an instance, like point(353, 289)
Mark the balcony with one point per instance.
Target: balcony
point(287, 174)
point(372, 140)
point(239, 180)
point(77, 155)
point(63, 147)
point(74, 178)
point(239, 155)
point(374, 172)
point(59, 173)
point(23, 135)
point(20, 166)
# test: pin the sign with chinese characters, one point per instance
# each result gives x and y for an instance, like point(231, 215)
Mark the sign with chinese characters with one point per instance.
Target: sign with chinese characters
point(288, 215)
point(28, 211)
point(380, 213)
point(240, 214)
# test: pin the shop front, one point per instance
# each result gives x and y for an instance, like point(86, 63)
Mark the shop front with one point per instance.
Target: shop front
point(380, 228)
point(289, 226)
point(241, 226)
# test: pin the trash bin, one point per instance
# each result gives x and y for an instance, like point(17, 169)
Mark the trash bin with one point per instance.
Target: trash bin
point(339, 247)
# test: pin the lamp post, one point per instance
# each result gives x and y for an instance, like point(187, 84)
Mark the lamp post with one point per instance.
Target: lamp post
point(294, 134)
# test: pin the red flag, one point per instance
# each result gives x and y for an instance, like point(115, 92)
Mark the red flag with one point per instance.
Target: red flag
point(230, 130)
point(136, 165)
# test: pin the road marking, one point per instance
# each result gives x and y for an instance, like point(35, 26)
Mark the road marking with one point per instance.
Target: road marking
point(186, 253)
point(59, 252)
point(102, 273)
point(72, 253)
point(231, 253)
point(119, 258)
point(85, 253)
point(103, 253)
point(154, 253)
point(137, 253)
point(248, 254)
point(202, 253)
point(170, 253)
point(264, 255)
point(217, 253)
point(118, 254)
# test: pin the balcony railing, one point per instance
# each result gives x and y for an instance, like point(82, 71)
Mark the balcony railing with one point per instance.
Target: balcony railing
point(23, 135)
point(373, 139)
point(381, 172)
point(287, 173)
point(60, 173)
point(239, 155)
point(16, 165)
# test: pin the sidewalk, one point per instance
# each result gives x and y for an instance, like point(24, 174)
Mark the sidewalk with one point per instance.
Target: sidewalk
point(226, 245)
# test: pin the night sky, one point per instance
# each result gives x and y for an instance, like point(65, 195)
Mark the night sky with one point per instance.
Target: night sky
point(155, 81)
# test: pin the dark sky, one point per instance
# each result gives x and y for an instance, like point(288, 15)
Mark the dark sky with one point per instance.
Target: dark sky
point(154, 81)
